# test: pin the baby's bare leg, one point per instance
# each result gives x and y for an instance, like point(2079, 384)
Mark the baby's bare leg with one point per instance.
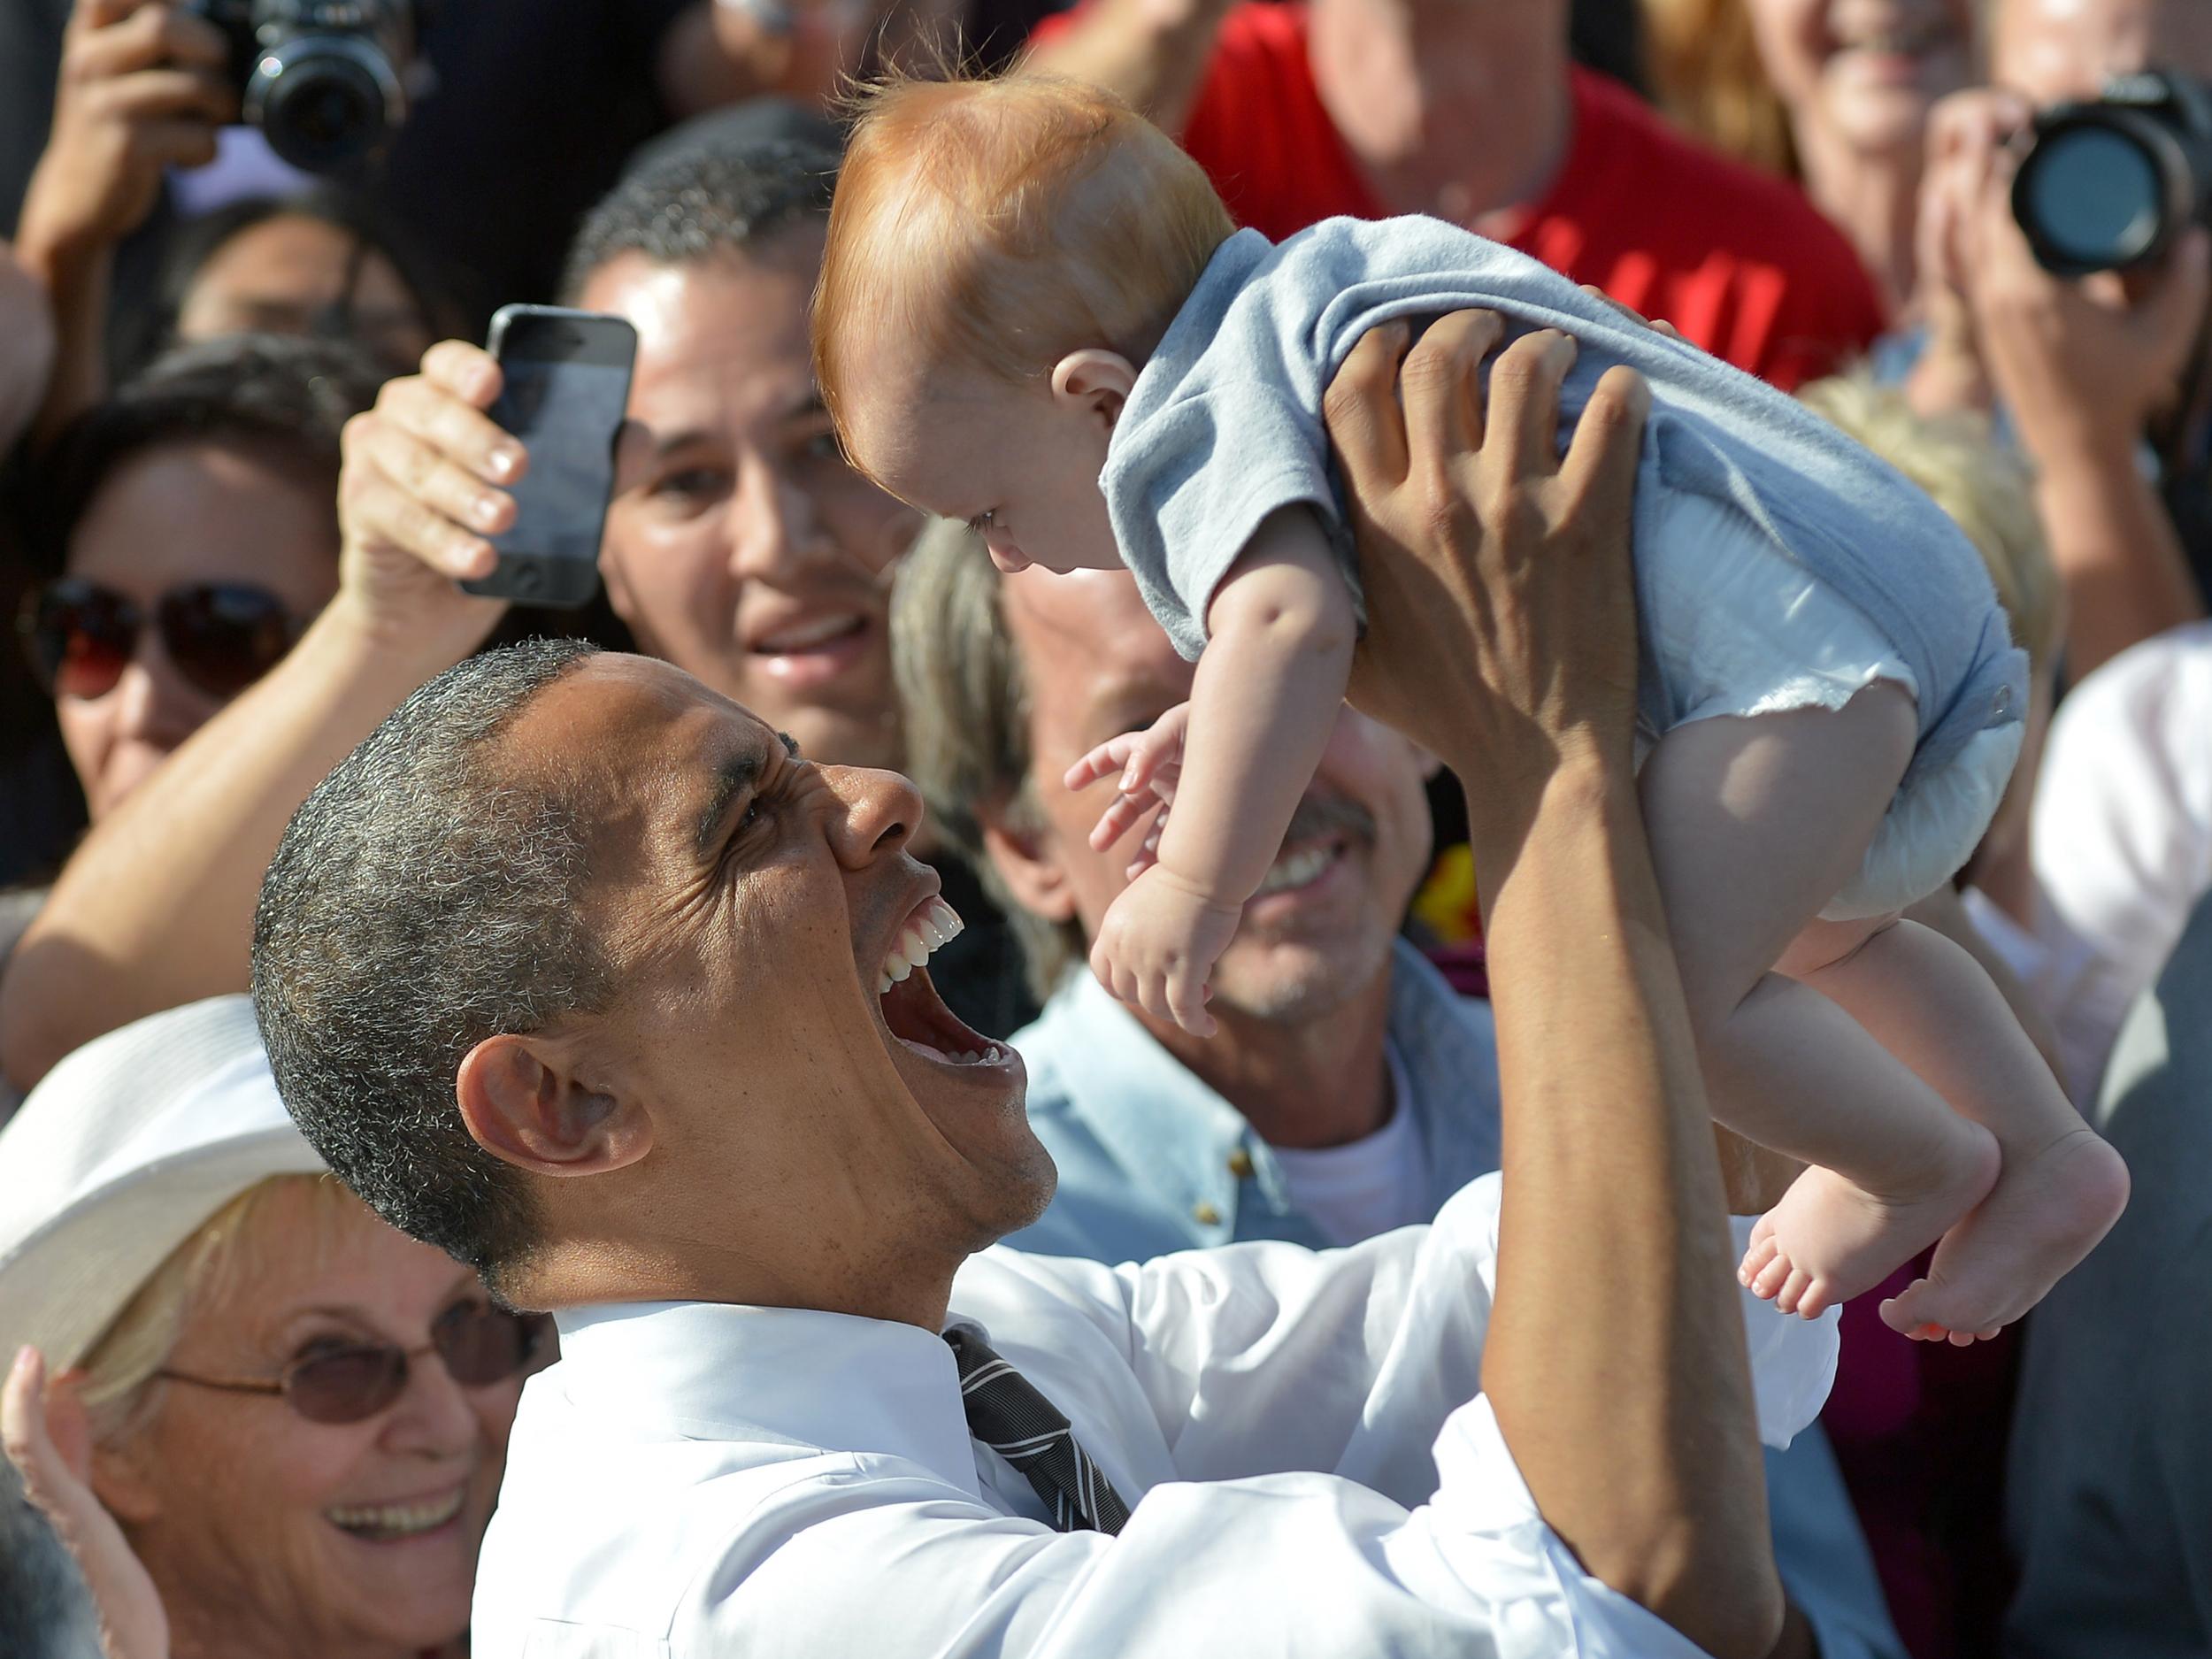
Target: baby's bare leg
point(1754, 824)
point(2061, 1188)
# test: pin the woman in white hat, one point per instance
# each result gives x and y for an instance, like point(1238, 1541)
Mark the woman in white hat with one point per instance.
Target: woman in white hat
point(266, 1423)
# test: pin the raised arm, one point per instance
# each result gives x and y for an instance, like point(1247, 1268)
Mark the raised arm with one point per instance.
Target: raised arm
point(1153, 53)
point(1616, 1359)
point(155, 908)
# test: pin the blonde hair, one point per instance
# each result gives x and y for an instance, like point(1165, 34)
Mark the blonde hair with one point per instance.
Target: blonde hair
point(1003, 224)
point(204, 1271)
point(1985, 489)
point(1711, 80)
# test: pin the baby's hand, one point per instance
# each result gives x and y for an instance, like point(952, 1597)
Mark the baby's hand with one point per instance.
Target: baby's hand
point(1149, 763)
point(1157, 945)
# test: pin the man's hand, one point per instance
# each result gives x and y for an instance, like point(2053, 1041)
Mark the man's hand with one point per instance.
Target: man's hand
point(142, 90)
point(420, 491)
point(1455, 507)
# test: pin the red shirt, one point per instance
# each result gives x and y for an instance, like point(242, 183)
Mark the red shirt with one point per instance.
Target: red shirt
point(1741, 262)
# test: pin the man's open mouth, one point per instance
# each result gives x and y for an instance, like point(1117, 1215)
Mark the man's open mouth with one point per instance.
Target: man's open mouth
point(912, 1011)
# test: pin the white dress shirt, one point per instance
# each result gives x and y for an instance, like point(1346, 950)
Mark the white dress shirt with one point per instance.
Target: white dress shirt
point(1310, 1468)
point(2122, 837)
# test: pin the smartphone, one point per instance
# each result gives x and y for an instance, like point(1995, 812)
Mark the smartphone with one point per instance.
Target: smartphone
point(567, 381)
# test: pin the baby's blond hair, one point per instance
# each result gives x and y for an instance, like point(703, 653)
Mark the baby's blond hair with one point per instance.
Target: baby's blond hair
point(1000, 225)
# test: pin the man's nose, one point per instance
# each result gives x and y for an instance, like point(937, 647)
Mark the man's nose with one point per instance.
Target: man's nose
point(773, 526)
point(881, 811)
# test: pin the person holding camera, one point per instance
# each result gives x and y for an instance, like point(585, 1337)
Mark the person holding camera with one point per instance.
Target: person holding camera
point(2085, 368)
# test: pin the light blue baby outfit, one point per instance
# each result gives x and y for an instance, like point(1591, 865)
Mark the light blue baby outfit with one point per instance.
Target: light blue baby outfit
point(1778, 564)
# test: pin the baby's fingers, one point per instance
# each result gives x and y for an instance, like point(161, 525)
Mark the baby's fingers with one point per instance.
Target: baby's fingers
point(1109, 757)
point(1186, 1001)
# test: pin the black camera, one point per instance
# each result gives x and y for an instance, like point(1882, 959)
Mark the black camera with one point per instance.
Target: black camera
point(2110, 184)
point(324, 79)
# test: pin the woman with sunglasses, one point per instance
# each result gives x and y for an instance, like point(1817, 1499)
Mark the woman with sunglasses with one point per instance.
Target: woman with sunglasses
point(190, 528)
point(266, 1423)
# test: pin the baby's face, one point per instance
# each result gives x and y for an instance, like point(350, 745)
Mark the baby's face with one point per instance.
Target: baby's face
point(1020, 463)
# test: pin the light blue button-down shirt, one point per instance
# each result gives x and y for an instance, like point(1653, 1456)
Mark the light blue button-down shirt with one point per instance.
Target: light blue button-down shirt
point(1152, 1160)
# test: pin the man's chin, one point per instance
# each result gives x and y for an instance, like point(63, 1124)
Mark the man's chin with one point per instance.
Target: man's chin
point(1282, 980)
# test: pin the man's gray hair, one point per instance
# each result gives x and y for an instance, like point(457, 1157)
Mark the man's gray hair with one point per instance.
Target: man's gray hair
point(422, 899)
point(965, 710)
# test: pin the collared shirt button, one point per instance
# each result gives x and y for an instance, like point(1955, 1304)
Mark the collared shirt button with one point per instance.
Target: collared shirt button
point(1241, 1163)
point(1205, 1214)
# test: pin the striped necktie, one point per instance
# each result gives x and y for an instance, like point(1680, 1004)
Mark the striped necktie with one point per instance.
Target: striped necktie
point(1007, 1414)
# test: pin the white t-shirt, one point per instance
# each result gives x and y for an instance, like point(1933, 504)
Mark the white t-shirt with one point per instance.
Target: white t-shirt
point(1369, 1185)
point(2123, 830)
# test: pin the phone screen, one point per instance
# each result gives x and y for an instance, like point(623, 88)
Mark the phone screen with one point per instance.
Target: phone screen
point(566, 381)
point(567, 414)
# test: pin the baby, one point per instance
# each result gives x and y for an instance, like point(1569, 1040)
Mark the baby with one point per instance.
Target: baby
point(1036, 315)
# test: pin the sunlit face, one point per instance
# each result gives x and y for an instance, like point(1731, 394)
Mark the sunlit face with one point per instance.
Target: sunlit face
point(282, 274)
point(740, 545)
point(171, 516)
point(1019, 463)
point(256, 1522)
point(1095, 664)
point(2049, 50)
point(1864, 72)
point(805, 1121)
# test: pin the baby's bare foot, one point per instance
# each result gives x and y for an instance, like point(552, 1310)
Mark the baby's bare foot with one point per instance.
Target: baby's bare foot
point(2046, 1211)
point(1831, 1239)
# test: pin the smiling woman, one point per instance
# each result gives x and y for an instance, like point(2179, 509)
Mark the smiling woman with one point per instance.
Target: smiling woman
point(277, 1426)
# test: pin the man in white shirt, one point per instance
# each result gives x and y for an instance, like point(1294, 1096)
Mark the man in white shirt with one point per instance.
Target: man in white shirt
point(575, 970)
point(2123, 835)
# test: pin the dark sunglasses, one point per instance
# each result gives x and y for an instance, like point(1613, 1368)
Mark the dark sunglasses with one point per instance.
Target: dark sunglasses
point(478, 1346)
point(222, 636)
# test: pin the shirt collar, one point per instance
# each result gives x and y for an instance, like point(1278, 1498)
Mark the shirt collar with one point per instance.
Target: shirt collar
point(717, 1370)
point(1176, 1137)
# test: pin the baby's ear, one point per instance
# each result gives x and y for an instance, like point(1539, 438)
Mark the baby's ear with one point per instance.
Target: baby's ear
point(1095, 380)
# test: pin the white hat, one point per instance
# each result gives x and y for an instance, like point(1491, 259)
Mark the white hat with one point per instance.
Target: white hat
point(121, 1154)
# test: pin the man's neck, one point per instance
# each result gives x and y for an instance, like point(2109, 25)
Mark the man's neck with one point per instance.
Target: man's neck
point(1301, 1083)
point(1514, 93)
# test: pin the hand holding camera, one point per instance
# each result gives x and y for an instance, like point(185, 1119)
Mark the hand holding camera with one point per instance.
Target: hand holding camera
point(142, 90)
point(2082, 358)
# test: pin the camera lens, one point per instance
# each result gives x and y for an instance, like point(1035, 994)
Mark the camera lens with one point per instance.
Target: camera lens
point(324, 102)
point(2094, 197)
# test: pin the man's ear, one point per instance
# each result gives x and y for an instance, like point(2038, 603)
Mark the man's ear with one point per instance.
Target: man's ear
point(1026, 863)
point(525, 1104)
point(1095, 380)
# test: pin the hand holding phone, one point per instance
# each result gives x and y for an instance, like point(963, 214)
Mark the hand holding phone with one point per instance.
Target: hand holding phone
point(566, 383)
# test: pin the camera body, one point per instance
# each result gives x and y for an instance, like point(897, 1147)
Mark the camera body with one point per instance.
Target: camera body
point(2108, 184)
point(322, 78)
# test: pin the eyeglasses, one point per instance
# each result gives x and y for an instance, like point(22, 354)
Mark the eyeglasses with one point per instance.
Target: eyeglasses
point(478, 1346)
point(222, 636)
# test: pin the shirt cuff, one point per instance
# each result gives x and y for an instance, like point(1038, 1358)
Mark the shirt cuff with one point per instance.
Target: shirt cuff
point(1792, 1360)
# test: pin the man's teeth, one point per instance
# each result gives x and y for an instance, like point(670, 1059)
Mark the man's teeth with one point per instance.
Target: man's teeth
point(1295, 870)
point(800, 635)
point(935, 926)
point(399, 1520)
point(991, 1055)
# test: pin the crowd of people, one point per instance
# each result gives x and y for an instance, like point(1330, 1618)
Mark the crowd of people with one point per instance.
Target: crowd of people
point(938, 1070)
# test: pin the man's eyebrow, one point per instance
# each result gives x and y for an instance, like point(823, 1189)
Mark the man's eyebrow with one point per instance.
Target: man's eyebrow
point(733, 778)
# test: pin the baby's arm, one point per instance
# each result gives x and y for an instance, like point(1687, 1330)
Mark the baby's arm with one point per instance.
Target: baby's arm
point(1264, 700)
